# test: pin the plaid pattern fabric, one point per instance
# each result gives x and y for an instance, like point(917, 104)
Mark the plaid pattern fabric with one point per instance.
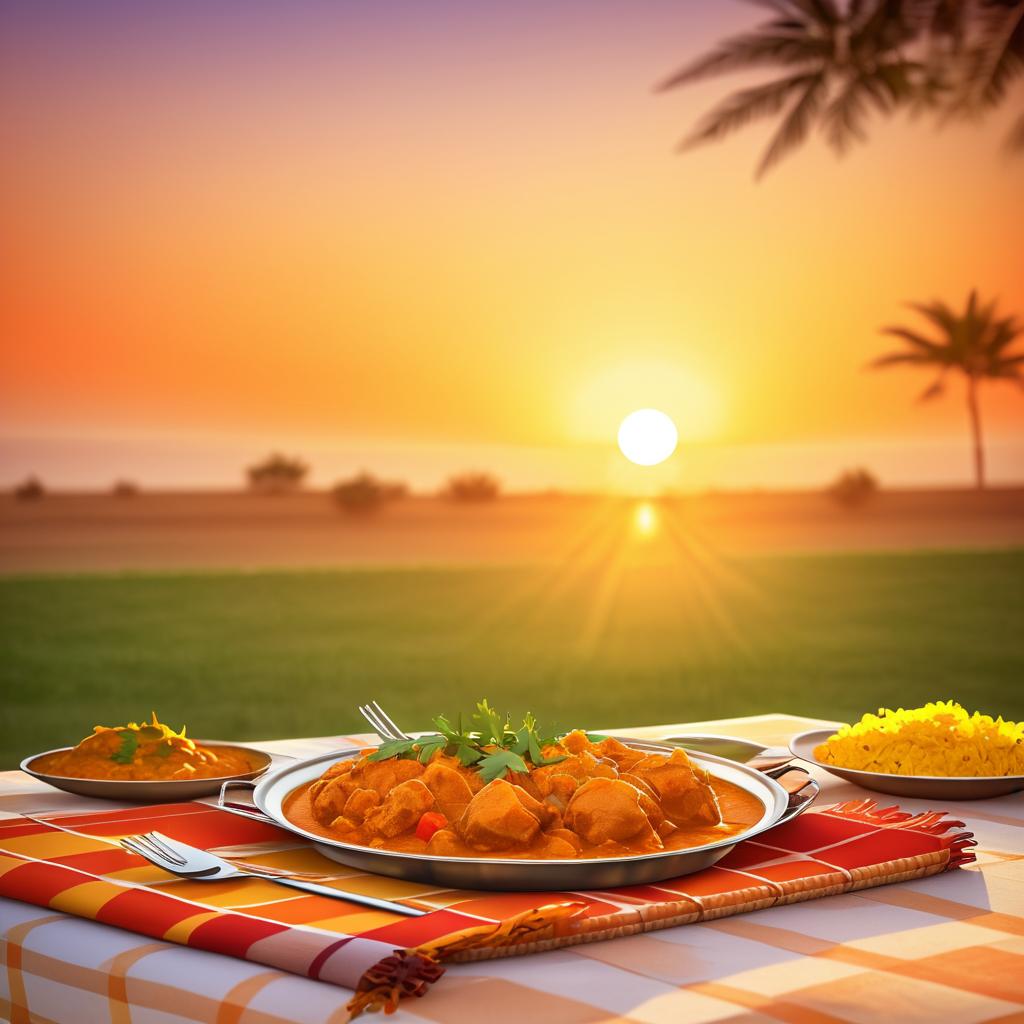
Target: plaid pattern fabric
point(66, 862)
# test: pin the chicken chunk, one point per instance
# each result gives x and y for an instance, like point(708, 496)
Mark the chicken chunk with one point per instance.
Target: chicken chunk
point(648, 798)
point(603, 810)
point(576, 741)
point(684, 793)
point(360, 803)
point(496, 818)
point(544, 812)
point(554, 847)
point(444, 843)
point(559, 790)
point(585, 766)
point(384, 776)
point(623, 756)
point(401, 809)
point(328, 802)
point(570, 837)
point(451, 791)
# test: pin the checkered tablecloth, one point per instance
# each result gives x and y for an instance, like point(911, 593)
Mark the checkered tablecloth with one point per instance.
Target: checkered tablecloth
point(945, 948)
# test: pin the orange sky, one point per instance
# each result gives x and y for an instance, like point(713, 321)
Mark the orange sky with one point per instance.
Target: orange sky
point(458, 233)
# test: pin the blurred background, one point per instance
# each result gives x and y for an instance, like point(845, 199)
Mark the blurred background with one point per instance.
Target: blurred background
point(319, 322)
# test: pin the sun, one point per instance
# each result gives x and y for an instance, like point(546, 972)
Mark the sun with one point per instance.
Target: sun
point(647, 437)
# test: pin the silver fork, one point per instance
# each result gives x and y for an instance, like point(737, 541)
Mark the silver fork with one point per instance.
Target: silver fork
point(381, 722)
point(189, 862)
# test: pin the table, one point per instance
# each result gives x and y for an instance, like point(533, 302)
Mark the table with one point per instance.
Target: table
point(947, 948)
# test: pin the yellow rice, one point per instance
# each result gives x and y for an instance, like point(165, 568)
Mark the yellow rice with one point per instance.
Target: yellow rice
point(937, 739)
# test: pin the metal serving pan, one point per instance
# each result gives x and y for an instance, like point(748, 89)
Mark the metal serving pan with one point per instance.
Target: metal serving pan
point(270, 791)
point(151, 791)
point(920, 787)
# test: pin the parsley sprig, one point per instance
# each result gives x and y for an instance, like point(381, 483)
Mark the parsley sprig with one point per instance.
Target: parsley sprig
point(129, 744)
point(490, 745)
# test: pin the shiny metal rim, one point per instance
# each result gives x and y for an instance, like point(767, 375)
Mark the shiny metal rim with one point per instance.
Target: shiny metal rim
point(26, 767)
point(805, 738)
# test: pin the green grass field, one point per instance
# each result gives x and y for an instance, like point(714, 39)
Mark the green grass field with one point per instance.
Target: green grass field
point(239, 655)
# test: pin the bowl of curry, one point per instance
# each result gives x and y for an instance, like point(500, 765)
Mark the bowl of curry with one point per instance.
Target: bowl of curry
point(145, 763)
point(596, 813)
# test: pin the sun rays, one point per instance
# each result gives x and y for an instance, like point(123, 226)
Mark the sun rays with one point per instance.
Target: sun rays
point(633, 574)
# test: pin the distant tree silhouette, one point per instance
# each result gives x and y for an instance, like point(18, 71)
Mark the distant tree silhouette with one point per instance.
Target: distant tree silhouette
point(364, 494)
point(277, 474)
point(839, 62)
point(853, 488)
point(30, 489)
point(471, 487)
point(125, 489)
point(975, 343)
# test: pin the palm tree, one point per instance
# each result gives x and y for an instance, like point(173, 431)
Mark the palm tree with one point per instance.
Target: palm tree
point(976, 343)
point(838, 62)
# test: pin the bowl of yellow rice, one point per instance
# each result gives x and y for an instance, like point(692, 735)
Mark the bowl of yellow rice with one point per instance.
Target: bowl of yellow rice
point(938, 751)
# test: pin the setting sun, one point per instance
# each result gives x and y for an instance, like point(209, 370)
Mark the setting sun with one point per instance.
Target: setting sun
point(647, 437)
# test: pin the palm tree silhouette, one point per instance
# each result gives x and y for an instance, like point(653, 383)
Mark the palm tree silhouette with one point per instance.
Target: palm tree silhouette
point(976, 343)
point(840, 62)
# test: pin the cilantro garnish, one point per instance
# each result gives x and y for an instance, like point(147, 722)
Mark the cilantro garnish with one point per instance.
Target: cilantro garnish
point(129, 743)
point(491, 744)
point(499, 764)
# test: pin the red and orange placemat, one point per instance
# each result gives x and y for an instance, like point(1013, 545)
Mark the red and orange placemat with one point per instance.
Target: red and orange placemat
point(72, 863)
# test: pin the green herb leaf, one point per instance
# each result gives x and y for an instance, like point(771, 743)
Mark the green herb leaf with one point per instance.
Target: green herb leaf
point(521, 743)
point(445, 728)
point(129, 744)
point(392, 748)
point(499, 764)
point(430, 745)
point(491, 726)
point(165, 749)
point(467, 754)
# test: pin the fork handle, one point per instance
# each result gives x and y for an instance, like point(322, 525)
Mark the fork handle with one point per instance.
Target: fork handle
point(366, 901)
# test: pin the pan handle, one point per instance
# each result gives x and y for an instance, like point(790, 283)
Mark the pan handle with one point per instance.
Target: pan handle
point(248, 810)
point(801, 786)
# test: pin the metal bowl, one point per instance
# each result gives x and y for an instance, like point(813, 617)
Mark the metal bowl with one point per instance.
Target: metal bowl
point(270, 792)
point(921, 787)
point(151, 791)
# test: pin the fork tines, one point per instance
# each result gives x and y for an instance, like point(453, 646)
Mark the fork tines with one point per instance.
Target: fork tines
point(381, 722)
point(149, 845)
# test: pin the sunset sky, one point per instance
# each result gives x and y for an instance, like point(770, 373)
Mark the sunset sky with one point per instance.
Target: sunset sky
point(417, 236)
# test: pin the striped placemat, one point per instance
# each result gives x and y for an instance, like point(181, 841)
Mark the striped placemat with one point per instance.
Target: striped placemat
point(72, 863)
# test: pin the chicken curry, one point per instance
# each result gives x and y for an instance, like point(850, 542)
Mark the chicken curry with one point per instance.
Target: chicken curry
point(586, 798)
point(151, 751)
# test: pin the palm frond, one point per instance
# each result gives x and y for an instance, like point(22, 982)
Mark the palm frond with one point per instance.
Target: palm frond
point(901, 359)
point(738, 110)
point(750, 50)
point(923, 345)
point(1009, 366)
point(946, 19)
point(823, 12)
point(842, 120)
point(934, 390)
point(1004, 333)
point(939, 313)
point(997, 58)
point(884, 26)
point(884, 86)
point(1014, 141)
point(795, 125)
